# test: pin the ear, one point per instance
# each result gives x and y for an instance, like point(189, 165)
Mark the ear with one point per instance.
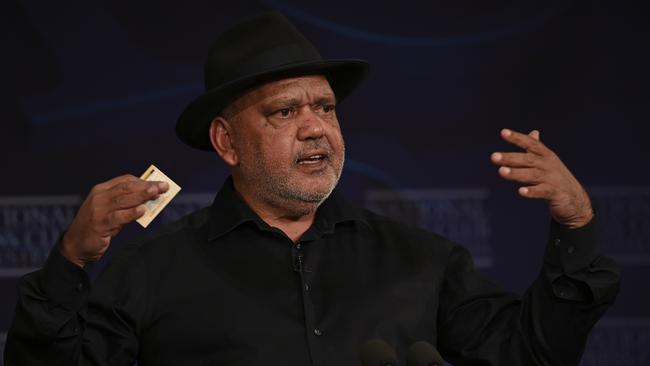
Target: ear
point(222, 140)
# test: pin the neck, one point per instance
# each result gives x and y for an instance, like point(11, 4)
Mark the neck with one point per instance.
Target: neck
point(292, 218)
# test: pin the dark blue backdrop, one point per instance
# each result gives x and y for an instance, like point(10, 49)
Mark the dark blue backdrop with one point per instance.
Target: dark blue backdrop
point(91, 90)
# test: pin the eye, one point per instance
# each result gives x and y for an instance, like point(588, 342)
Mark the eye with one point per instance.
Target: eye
point(324, 108)
point(283, 113)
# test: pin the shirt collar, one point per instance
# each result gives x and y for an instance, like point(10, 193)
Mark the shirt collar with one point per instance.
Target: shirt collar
point(229, 211)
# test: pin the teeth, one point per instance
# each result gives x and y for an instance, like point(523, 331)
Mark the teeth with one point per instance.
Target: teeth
point(311, 159)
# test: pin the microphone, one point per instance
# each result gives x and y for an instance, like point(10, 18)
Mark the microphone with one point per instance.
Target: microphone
point(423, 354)
point(376, 352)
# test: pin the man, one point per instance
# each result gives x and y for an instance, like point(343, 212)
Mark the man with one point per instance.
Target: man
point(280, 269)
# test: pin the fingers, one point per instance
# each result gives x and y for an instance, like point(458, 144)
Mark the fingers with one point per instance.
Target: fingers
point(540, 191)
point(527, 142)
point(530, 168)
point(546, 177)
point(522, 175)
point(122, 203)
point(117, 219)
point(104, 186)
point(109, 206)
point(126, 183)
point(111, 222)
point(515, 160)
point(132, 194)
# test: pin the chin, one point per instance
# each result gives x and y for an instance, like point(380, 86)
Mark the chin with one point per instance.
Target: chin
point(314, 191)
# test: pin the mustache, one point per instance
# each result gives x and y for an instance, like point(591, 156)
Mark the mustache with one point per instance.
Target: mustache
point(322, 145)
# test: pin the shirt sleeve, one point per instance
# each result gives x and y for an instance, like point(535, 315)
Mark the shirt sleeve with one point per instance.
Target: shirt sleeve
point(548, 325)
point(117, 308)
point(50, 314)
point(60, 321)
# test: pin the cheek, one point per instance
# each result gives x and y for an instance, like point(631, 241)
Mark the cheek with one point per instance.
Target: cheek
point(335, 138)
point(247, 149)
point(278, 148)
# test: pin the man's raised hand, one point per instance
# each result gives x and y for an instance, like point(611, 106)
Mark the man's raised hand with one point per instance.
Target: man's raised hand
point(544, 176)
point(109, 206)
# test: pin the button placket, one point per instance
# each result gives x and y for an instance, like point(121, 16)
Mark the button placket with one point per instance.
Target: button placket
point(311, 329)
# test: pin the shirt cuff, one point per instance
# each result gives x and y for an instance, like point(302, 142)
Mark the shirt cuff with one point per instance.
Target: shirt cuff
point(571, 249)
point(63, 282)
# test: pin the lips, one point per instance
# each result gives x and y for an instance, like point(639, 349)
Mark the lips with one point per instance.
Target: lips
point(314, 157)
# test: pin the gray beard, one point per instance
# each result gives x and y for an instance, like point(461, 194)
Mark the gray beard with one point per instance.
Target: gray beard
point(279, 190)
point(284, 189)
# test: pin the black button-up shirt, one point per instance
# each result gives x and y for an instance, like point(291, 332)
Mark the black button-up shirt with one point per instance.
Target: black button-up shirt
point(221, 287)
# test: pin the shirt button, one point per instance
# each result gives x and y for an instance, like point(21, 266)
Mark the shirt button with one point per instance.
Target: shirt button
point(80, 287)
point(571, 249)
point(318, 332)
point(307, 287)
point(556, 242)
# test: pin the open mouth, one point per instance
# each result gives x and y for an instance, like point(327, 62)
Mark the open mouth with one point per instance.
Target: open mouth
point(312, 159)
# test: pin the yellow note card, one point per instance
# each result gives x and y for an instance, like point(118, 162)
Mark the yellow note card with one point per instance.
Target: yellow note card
point(154, 207)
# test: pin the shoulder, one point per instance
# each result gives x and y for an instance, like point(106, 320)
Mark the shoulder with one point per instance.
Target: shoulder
point(184, 231)
point(387, 226)
point(166, 240)
point(136, 263)
point(401, 242)
point(188, 226)
point(405, 235)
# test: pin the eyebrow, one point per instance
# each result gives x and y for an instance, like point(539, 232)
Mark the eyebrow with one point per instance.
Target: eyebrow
point(329, 98)
point(288, 101)
point(293, 101)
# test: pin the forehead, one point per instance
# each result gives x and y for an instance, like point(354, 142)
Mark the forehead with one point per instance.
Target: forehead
point(311, 86)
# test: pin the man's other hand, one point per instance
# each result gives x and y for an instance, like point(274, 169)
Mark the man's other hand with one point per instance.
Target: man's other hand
point(544, 176)
point(108, 207)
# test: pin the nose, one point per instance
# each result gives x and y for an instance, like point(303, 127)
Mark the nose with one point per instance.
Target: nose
point(310, 125)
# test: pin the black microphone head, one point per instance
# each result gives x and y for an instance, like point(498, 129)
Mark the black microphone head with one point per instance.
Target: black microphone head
point(423, 354)
point(376, 352)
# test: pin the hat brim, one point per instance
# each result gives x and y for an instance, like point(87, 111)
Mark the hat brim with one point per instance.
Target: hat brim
point(193, 125)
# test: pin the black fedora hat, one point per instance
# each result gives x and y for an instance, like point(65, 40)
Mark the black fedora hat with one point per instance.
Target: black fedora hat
point(264, 48)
